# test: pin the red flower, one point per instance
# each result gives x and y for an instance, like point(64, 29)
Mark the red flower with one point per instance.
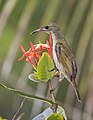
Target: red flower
point(50, 45)
point(33, 54)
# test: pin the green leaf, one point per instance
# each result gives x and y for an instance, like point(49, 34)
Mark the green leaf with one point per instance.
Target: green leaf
point(33, 77)
point(44, 67)
point(55, 116)
point(60, 115)
point(61, 111)
point(2, 118)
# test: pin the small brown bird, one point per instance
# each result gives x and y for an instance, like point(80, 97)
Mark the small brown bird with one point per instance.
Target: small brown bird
point(62, 56)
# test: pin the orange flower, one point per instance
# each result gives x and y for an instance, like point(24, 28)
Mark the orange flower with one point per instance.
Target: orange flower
point(33, 54)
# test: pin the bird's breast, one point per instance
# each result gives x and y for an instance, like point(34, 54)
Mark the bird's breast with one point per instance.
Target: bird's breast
point(55, 58)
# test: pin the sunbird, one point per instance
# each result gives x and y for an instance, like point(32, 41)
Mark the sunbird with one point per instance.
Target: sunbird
point(62, 55)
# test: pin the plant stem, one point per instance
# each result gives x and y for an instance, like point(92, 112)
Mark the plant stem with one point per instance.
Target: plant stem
point(55, 105)
point(19, 109)
point(52, 92)
point(25, 95)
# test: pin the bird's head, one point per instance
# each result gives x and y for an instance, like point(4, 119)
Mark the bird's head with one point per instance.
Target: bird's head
point(51, 28)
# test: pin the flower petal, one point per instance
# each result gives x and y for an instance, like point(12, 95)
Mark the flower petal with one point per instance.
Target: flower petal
point(22, 48)
point(50, 40)
point(32, 46)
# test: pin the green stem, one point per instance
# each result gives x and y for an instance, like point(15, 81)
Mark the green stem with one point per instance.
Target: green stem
point(55, 105)
point(52, 92)
point(25, 95)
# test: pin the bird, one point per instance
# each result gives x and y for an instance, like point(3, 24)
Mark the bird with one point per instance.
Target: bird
point(63, 57)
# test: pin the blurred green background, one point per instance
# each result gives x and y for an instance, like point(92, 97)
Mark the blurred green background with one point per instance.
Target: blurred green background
point(17, 19)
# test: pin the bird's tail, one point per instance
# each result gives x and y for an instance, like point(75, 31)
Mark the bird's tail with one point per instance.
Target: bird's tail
point(73, 82)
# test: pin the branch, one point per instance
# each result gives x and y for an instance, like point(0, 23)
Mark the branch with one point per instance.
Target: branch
point(25, 95)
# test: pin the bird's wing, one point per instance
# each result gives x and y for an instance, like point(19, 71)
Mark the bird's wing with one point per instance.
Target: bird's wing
point(66, 58)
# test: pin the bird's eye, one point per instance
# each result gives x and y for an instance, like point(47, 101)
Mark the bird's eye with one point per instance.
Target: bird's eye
point(46, 27)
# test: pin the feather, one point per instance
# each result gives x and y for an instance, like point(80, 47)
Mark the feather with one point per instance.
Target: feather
point(65, 56)
point(68, 62)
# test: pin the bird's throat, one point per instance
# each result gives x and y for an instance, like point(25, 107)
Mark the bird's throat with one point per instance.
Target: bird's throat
point(54, 40)
point(54, 50)
point(58, 64)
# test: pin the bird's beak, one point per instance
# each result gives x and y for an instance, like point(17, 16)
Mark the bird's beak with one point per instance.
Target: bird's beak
point(35, 31)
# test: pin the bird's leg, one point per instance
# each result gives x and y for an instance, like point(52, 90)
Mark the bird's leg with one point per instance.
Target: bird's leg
point(56, 86)
point(56, 75)
point(60, 77)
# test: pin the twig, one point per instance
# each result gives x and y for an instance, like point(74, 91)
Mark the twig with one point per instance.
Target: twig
point(19, 109)
point(26, 95)
point(51, 92)
point(55, 105)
